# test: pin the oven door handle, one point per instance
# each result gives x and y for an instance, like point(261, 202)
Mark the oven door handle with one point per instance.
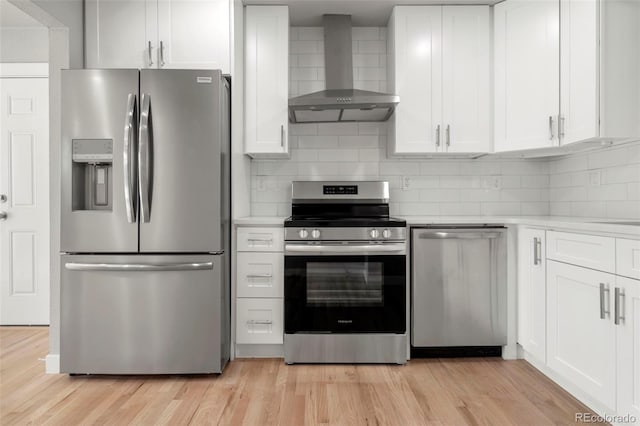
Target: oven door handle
point(341, 249)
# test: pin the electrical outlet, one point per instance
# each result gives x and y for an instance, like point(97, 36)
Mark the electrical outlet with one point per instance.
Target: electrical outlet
point(595, 178)
point(493, 183)
point(406, 183)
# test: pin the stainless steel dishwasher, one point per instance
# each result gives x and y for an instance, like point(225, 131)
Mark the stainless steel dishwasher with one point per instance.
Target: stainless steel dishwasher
point(459, 287)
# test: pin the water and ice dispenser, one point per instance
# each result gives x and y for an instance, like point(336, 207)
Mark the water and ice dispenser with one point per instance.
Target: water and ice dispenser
point(92, 174)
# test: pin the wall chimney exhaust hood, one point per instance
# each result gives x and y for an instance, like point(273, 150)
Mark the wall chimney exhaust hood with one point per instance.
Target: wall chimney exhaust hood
point(340, 102)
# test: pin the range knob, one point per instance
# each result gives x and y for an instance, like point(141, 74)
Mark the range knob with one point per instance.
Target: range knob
point(386, 234)
point(315, 233)
point(374, 233)
point(303, 233)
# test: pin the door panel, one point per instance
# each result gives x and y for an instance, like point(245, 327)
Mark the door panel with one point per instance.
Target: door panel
point(185, 185)
point(628, 354)
point(24, 181)
point(581, 344)
point(94, 107)
point(142, 322)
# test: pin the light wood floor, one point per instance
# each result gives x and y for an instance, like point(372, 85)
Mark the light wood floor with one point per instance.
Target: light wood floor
point(479, 391)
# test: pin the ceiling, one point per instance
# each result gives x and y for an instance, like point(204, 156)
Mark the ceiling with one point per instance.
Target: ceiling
point(364, 13)
point(11, 16)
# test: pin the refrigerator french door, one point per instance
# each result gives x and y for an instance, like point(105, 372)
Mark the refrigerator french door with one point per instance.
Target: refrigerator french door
point(144, 221)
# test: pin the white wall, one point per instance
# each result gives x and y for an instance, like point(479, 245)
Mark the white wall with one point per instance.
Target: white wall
point(71, 14)
point(603, 183)
point(358, 151)
point(24, 44)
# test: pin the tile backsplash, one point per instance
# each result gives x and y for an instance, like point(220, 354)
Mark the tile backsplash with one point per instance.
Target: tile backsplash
point(485, 186)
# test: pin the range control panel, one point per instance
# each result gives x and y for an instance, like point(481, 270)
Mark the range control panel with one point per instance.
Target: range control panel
point(340, 189)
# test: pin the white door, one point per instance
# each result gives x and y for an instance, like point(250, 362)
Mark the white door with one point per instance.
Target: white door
point(193, 34)
point(578, 70)
point(532, 292)
point(417, 35)
point(121, 33)
point(24, 185)
point(266, 80)
point(466, 106)
point(581, 338)
point(527, 76)
point(628, 332)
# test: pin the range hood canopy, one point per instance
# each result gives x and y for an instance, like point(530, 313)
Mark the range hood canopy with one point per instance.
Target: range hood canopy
point(340, 102)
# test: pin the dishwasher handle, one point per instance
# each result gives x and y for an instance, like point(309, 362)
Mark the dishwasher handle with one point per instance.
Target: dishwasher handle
point(459, 235)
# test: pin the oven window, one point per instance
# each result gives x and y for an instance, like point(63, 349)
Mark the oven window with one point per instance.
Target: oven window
point(345, 284)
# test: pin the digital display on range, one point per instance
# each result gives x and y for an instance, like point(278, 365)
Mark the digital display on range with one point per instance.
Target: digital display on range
point(340, 189)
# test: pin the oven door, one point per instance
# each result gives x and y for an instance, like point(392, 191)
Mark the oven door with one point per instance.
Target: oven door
point(343, 287)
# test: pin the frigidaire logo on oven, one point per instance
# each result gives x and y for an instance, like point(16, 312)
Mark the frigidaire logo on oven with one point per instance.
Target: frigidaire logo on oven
point(345, 321)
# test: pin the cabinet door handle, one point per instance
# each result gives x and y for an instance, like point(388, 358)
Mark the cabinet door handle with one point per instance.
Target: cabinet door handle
point(551, 135)
point(560, 126)
point(259, 276)
point(282, 135)
point(604, 310)
point(259, 322)
point(618, 306)
point(161, 53)
point(438, 135)
point(536, 250)
point(448, 135)
point(149, 48)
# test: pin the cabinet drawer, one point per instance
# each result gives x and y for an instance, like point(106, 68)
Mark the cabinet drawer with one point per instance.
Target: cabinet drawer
point(260, 239)
point(590, 251)
point(628, 258)
point(259, 321)
point(260, 275)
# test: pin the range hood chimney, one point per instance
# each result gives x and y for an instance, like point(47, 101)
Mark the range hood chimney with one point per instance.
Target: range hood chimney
point(340, 102)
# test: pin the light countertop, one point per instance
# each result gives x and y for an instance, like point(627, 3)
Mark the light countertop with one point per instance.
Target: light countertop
point(554, 222)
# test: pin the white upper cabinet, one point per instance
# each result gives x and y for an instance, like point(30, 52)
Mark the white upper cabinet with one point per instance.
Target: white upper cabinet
point(266, 61)
point(526, 55)
point(566, 71)
point(193, 34)
point(187, 34)
point(439, 66)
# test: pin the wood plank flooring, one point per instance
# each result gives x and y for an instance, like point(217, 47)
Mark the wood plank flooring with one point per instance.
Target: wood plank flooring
point(478, 391)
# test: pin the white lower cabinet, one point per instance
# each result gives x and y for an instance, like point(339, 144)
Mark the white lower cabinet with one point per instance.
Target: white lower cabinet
point(532, 291)
point(259, 286)
point(581, 335)
point(628, 347)
point(259, 321)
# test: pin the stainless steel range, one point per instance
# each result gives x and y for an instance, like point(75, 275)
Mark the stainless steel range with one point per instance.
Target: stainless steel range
point(345, 275)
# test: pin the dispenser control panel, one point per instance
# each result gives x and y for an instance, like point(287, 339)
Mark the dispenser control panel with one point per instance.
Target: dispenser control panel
point(92, 150)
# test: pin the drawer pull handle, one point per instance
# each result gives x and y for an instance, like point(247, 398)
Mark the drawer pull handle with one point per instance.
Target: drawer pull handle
point(259, 322)
point(262, 240)
point(259, 276)
point(619, 306)
point(604, 310)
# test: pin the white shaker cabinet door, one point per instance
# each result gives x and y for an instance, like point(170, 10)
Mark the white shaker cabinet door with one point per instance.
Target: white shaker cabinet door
point(628, 334)
point(120, 33)
point(581, 335)
point(266, 81)
point(466, 105)
point(527, 76)
point(532, 292)
point(415, 76)
point(193, 34)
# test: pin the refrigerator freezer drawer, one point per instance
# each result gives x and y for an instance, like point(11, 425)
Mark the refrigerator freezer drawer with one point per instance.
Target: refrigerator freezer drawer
point(143, 314)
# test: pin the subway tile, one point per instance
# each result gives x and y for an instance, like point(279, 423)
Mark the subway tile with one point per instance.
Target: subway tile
point(615, 191)
point(312, 60)
point(522, 194)
point(264, 209)
point(320, 142)
point(426, 209)
point(366, 60)
point(560, 209)
point(372, 85)
point(480, 167)
point(580, 178)
point(305, 87)
point(455, 181)
point(460, 209)
point(304, 46)
point(293, 61)
point(318, 170)
point(633, 153)
point(283, 209)
point(571, 163)
point(530, 167)
point(479, 195)
point(337, 155)
point(310, 33)
point(607, 158)
point(367, 74)
point(560, 180)
point(383, 33)
point(359, 170)
point(305, 129)
point(621, 174)
point(510, 181)
point(534, 181)
point(439, 167)
point(365, 33)
point(304, 74)
point(372, 128)
point(568, 194)
point(633, 191)
point(400, 196)
point(277, 168)
point(372, 46)
point(534, 208)
point(321, 74)
point(368, 155)
point(399, 168)
point(304, 155)
point(361, 141)
point(588, 208)
point(293, 34)
point(498, 209)
point(420, 182)
point(338, 129)
point(441, 195)
point(623, 209)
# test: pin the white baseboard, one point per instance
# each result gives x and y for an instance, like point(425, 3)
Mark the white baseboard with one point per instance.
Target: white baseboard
point(52, 364)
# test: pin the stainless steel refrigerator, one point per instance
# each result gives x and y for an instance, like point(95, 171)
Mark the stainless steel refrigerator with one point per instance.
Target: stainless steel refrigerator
point(145, 217)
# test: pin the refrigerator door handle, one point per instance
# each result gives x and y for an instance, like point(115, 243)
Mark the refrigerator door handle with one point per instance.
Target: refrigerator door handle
point(143, 158)
point(139, 267)
point(128, 158)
